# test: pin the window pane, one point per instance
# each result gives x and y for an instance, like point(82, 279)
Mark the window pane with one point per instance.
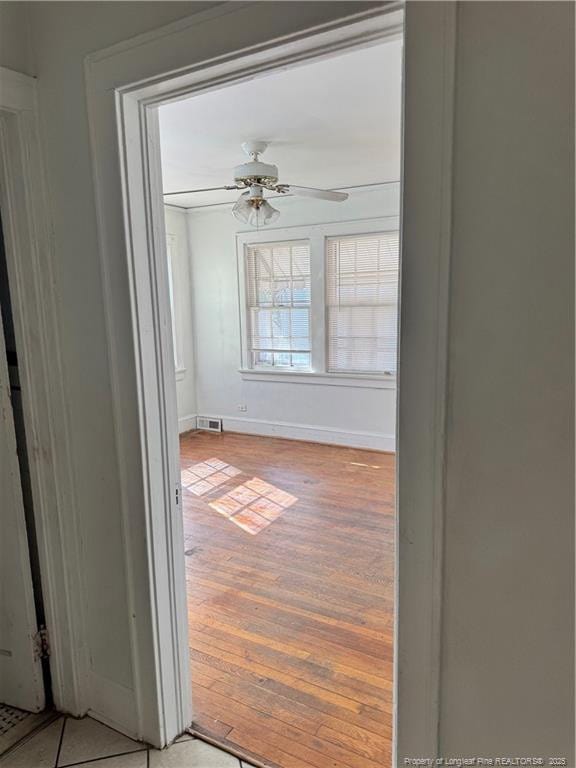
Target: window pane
point(301, 324)
point(264, 294)
point(301, 360)
point(282, 293)
point(261, 359)
point(282, 359)
point(301, 293)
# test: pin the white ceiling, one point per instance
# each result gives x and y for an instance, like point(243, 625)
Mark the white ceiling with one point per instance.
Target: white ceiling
point(332, 123)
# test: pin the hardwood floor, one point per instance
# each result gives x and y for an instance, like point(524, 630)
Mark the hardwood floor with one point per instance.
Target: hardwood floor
point(291, 629)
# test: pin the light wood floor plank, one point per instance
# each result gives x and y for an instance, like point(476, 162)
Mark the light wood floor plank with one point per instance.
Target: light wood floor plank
point(291, 629)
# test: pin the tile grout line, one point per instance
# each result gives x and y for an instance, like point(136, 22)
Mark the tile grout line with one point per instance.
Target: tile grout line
point(94, 759)
point(145, 748)
point(29, 736)
point(104, 757)
point(64, 719)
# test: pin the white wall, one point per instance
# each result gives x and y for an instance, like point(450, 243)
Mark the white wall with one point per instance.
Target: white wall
point(355, 416)
point(176, 226)
point(507, 685)
point(15, 46)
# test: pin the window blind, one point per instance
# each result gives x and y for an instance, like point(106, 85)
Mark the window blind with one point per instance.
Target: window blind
point(278, 297)
point(362, 302)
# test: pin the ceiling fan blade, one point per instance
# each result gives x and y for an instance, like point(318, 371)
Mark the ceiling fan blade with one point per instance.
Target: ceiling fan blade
point(206, 189)
point(321, 194)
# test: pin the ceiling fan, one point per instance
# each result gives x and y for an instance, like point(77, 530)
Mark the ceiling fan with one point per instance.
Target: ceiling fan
point(256, 176)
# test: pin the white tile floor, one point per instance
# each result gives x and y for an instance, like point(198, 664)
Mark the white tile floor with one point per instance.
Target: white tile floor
point(70, 742)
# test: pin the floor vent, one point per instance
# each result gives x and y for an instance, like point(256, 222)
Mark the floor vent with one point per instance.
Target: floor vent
point(9, 717)
point(211, 425)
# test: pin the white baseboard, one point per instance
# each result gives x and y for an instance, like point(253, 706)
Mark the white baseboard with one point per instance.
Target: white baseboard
point(186, 423)
point(314, 434)
point(114, 705)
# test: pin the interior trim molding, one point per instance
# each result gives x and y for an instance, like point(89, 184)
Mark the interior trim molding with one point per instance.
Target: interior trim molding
point(113, 705)
point(426, 245)
point(186, 423)
point(351, 380)
point(310, 433)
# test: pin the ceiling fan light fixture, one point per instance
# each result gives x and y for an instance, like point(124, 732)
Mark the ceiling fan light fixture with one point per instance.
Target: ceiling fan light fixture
point(251, 208)
point(263, 214)
point(242, 208)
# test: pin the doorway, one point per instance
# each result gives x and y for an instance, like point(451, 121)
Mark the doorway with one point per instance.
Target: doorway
point(284, 335)
point(126, 85)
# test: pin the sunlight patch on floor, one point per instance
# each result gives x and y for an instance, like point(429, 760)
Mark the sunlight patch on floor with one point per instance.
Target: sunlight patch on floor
point(252, 506)
point(203, 477)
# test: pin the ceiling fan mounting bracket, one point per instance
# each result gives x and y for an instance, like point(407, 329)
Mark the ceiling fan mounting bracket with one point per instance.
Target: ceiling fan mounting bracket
point(254, 148)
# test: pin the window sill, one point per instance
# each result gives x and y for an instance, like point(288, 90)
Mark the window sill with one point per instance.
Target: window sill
point(357, 380)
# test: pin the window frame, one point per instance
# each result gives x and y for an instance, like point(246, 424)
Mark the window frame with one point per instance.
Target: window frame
point(335, 305)
point(316, 235)
point(248, 328)
point(172, 244)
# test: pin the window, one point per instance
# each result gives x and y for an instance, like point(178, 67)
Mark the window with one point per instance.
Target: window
point(319, 304)
point(362, 300)
point(278, 301)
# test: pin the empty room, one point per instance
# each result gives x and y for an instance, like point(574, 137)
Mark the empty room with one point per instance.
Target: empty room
point(282, 213)
point(286, 384)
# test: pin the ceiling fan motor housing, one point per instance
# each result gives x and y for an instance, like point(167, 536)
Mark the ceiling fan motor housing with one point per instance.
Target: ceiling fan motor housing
point(255, 172)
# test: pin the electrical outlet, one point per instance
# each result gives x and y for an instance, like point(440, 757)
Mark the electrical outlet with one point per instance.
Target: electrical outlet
point(243, 408)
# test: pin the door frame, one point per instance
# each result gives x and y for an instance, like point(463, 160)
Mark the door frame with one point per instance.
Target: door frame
point(125, 84)
point(30, 261)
